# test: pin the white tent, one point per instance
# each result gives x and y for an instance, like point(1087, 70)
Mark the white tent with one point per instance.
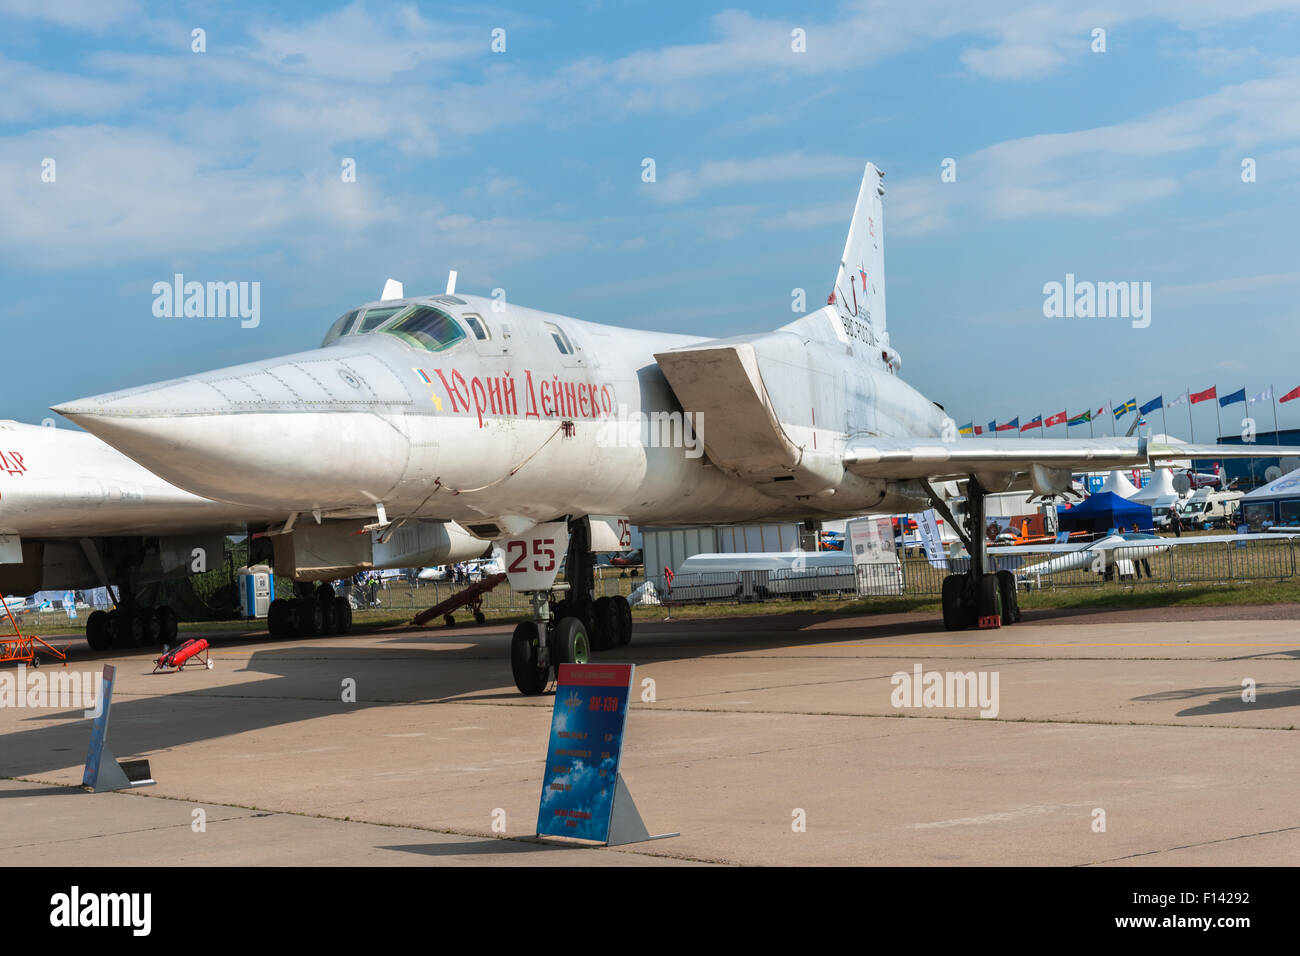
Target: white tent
point(1117, 482)
point(1161, 485)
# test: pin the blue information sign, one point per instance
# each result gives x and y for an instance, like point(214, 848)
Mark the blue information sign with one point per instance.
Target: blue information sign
point(586, 745)
point(99, 729)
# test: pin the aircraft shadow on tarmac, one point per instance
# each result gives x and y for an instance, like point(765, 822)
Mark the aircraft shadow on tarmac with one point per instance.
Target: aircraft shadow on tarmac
point(453, 665)
point(1267, 697)
point(307, 680)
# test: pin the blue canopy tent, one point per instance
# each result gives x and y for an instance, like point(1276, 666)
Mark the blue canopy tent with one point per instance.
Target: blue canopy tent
point(1105, 510)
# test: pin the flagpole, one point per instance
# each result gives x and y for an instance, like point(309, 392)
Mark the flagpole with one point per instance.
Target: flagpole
point(1218, 417)
point(1277, 435)
point(1090, 434)
point(1164, 421)
point(1113, 432)
point(1191, 427)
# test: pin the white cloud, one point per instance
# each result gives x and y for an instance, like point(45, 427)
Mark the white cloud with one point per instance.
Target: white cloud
point(365, 44)
point(677, 186)
point(94, 15)
point(32, 93)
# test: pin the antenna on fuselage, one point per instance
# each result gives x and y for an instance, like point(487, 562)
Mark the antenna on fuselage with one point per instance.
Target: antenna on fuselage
point(392, 290)
point(451, 282)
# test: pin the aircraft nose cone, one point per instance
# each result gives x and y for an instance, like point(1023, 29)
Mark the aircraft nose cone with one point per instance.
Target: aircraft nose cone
point(296, 433)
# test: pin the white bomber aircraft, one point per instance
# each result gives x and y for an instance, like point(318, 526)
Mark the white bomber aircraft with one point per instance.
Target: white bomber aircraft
point(76, 513)
point(522, 427)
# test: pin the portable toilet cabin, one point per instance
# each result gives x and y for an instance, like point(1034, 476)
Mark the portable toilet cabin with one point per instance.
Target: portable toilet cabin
point(256, 590)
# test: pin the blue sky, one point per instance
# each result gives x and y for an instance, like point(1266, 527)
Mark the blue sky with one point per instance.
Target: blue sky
point(522, 170)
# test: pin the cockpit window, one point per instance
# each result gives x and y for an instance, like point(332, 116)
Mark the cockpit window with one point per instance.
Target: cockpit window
point(340, 327)
point(475, 323)
point(374, 318)
point(560, 339)
point(426, 328)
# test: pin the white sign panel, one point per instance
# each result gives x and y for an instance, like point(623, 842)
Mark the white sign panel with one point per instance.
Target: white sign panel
point(610, 533)
point(875, 560)
point(930, 538)
point(533, 560)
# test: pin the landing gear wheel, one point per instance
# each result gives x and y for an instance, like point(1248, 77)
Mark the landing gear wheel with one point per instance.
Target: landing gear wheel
point(1010, 600)
point(625, 613)
point(480, 617)
point(608, 622)
point(277, 619)
point(130, 629)
point(99, 634)
point(148, 625)
point(448, 620)
point(989, 598)
point(570, 642)
point(167, 625)
point(529, 677)
point(309, 617)
point(342, 615)
point(954, 618)
point(328, 620)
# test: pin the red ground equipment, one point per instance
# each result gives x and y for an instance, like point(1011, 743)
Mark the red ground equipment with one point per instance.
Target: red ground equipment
point(22, 647)
point(193, 651)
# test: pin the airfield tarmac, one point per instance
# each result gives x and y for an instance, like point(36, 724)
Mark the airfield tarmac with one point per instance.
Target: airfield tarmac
point(1137, 713)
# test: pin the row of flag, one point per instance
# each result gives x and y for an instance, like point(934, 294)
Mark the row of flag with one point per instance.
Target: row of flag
point(1123, 408)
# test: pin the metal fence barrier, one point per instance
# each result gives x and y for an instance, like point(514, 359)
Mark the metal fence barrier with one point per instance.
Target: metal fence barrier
point(915, 576)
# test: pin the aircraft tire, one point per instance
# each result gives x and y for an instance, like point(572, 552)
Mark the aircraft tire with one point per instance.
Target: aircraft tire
point(624, 612)
point(149, 626)
point(570, 644)
point(605, 634)
point(342, 615)
point(989, 599)
point(529, 678)
point(130, 630)
point(953, 617)
point(277, 619)
point(309, 617)
point(328, 619)
point(167, 625)
point(99, 635)
point(1010, 600)
point(480, 617)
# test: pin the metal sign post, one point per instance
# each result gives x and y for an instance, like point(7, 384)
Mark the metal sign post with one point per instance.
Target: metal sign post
point(103, 772)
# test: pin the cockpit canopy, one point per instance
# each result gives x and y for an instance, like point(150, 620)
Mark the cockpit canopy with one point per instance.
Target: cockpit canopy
point(420, 326)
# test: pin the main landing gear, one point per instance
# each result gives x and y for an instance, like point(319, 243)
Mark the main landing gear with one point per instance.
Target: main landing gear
point(976, 597)
point(130, 625)
point(568, 630)
point(314, 612)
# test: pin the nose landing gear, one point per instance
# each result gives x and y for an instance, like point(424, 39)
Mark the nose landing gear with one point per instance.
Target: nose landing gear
point(567, 630)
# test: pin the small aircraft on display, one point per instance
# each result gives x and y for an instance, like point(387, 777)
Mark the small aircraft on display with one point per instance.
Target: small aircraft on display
point(77, 514)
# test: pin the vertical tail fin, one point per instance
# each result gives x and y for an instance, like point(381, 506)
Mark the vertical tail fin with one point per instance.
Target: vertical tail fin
point(860, 283)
